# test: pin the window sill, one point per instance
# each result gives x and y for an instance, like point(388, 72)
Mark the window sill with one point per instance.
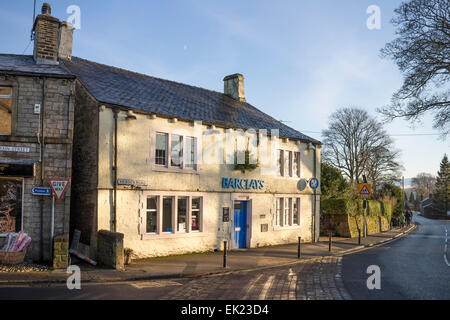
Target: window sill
point(173, 170)
point(156, 236)
point(281, 228)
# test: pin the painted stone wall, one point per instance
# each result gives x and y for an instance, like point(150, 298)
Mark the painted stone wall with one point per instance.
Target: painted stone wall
point(135, 162)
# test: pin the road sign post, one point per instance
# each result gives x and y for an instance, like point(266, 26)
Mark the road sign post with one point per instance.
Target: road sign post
point(365, 190)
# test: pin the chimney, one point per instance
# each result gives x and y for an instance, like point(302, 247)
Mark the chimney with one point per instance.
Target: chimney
point(46, 37)
point(234, 86)
point(65, 40)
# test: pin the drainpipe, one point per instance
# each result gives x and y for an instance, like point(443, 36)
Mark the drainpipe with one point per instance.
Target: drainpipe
point(41, 141)
point(315, 195)
point(116, 113)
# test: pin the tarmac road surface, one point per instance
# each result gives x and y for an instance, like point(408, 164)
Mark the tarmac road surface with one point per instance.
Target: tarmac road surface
point(413, 267)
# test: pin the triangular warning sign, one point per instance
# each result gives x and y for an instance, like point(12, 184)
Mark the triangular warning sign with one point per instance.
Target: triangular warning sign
point(364, 190)
point(59, 187)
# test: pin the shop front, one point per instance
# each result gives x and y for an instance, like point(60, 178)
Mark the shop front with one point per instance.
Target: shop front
point(12, 189)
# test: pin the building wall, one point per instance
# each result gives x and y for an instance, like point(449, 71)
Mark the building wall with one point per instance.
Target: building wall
point(58, 112)
point(85, 160)
point(135, 162)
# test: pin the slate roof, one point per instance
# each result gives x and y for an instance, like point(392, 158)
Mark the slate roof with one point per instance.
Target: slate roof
point(25, 65)
point(132, 90)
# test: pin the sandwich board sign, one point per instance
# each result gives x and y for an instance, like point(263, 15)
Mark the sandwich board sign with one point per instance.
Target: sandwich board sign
point(59, 187)
point(365, 190)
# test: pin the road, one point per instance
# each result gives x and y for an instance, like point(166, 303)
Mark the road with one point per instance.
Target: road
point(413, 267)
point(309, 280)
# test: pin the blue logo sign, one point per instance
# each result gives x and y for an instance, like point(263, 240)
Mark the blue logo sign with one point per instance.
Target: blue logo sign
point(314, 183)
point(236, 183)
point(41, 191)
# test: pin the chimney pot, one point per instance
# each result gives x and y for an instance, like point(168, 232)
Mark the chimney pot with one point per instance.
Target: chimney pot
point(46, 9)
point(234, 86)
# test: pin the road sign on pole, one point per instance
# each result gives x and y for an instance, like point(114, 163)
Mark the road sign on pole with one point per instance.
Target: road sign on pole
point(59, 187)
point(38, 191)
point(365, 190)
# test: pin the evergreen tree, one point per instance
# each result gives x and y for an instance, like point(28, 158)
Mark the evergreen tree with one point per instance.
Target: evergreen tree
point(411, 197)
point(443, 185)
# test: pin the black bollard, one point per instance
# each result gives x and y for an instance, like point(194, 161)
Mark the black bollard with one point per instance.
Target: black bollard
point(329, 243)
point(298, 251)
point(224, 254)
point(359, 236)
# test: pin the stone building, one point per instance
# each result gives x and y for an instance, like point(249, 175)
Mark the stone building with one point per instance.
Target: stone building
point(36, 134)
point(175, 168)
point(156, 161)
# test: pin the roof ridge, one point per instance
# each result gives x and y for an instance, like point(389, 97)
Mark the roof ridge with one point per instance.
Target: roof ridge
point(247, 107)
point(149, 76)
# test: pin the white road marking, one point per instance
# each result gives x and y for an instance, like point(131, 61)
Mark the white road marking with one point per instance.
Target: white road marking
point(266, 288)
point(445, 249)
point(154, 284)
point(251, 285)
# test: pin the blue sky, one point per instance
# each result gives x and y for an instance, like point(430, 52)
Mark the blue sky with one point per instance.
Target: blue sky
point(301, 59)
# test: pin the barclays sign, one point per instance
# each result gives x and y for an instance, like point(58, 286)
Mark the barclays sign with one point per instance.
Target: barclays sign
point(247, 184)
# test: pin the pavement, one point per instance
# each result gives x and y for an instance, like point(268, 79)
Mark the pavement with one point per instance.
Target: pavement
point(211, 264)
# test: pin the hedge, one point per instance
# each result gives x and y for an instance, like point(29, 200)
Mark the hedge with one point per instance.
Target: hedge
point(354, 207)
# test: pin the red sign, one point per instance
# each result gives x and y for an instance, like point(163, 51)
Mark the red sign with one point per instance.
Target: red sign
point(59, 187)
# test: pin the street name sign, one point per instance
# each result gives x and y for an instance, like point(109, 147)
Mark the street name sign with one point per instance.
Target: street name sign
point(365, 190)
point(39, 191)
point(59, 187)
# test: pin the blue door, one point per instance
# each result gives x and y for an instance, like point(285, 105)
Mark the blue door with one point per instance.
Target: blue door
point(240, 224)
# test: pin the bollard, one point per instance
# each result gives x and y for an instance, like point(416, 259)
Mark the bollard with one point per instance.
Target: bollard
point(359, 236)
point(224, 254)
point(329, 243)
point(298, 251)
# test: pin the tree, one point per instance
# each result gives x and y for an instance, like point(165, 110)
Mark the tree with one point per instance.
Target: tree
point(424, 183)
point(411, 197)
point(394, 194)
point(357, 144)
point(422, 53)
point(333, 184)
point(443, 185)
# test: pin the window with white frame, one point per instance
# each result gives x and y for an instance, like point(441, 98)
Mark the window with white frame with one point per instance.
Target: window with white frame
point(174, 151)
point(280, 162)
point(167, 214)
point(279, 205)
point(288, 163)
point(296, 165)
point(163, 217)
point(191, 147)
point(296, 211)
point(161, 147)
point(152, 214)
point(182, 214)
point(195, 214)
point(287, 212)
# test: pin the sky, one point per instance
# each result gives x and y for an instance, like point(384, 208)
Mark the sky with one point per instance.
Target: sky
point(301, 60)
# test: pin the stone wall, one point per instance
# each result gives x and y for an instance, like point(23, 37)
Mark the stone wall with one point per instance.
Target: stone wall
point(344, 217)
point(85, 172)
point(347, 226)
point(110, 249)
point(58, 111)
point(61, 252)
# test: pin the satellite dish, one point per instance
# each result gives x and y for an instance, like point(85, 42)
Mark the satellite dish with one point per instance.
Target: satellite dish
point(302, 184)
